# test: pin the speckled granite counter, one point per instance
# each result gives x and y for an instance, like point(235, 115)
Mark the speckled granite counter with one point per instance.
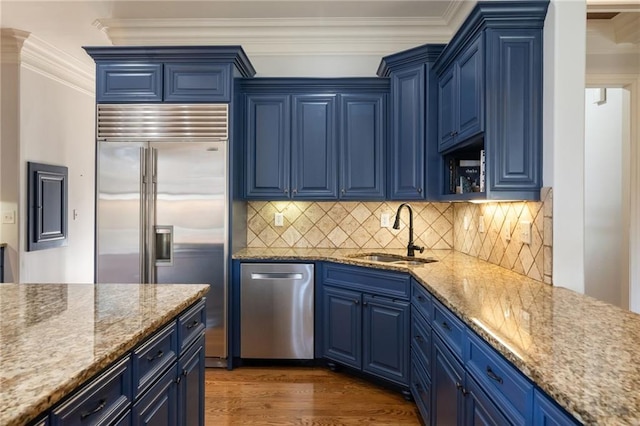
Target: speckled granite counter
point(582, 352)
point(53, 337)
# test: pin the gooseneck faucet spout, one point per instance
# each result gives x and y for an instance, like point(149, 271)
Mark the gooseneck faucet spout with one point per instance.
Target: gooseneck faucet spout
point(411, 247)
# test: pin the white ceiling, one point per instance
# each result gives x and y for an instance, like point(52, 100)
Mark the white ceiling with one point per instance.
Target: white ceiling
point(265, 26)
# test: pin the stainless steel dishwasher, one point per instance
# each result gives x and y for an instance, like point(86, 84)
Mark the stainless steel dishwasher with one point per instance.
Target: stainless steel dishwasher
point(276, 310)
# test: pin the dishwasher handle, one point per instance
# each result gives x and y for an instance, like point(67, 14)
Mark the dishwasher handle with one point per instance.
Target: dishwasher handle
point(276, 276)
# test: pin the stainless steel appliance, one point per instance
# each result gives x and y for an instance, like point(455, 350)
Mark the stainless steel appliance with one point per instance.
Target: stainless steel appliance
point(276, 310)
point(162, 202)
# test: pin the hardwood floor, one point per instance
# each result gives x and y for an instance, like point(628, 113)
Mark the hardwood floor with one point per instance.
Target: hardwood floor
point(300, 396)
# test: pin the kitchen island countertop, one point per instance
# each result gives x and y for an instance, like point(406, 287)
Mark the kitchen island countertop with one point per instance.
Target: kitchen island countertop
point(579, 350)
point(54, 337)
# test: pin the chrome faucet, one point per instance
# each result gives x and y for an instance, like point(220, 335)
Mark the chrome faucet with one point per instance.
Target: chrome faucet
point(411, 247)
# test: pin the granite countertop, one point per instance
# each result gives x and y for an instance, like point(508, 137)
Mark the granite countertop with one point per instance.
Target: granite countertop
point(580, 351)
point(53, 337)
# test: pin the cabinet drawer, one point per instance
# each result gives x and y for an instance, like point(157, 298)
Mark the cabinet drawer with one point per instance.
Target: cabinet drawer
point(421, 300)
point(129, 83)
point(153, 357)
point(369, 280)
point(421, 339)
point(159, 406)
point(421, 389)
point(190, 325)
point(197, 83)
point(101, 402)
point(449, 327)
point(511, 391)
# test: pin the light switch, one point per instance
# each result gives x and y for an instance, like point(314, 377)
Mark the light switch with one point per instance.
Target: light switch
point(9, 216)
point(279, 219)
point(481, 224)
point(466, 223)
point(525, 232)
point(506, 230)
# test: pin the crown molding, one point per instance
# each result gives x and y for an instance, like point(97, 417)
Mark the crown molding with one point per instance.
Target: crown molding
point(603, 38)
point(627, 28)
point(11, 42)
point(283, 36)
point(46, 59)
point(613, 6)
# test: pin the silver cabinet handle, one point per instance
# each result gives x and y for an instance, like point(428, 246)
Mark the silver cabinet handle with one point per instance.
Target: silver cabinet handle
point(276, 276)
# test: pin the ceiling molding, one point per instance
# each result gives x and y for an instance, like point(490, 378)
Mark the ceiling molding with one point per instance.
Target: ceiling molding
point(283, 36)
point(613, 6)
point(602, 40)
point(11, 42)
point(46, 59)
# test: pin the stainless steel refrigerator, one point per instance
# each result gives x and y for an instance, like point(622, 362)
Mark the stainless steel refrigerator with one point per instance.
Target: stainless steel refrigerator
point(162, 207)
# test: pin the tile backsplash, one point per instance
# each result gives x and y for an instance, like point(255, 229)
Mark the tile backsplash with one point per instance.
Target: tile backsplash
point(436, 226)
point(347, 225)
point(533, 260)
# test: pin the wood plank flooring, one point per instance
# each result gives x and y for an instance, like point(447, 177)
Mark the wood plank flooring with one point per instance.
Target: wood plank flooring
point(300, 396)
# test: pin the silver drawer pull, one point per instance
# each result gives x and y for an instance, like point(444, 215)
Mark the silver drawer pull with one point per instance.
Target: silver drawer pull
point(276, 276)
point(158, 355)
point(493, 376)
point(101, 404)
point(193, 324)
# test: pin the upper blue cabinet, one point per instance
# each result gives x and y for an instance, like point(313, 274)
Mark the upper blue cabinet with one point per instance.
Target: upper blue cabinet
point(186, 74)
point(412, 162)
point(490, 104)
point(314, 139)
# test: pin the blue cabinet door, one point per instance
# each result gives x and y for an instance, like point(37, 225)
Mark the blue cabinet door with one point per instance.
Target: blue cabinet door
point(547, 413)
point(128, 82)
point(314, 147)
point(159, 406)
point(470, 92)
point(197, 82)
point(191, 385)
point(480, 410)
point(362, 136)
point(386, 338)
point(514, 128)
point(407, 163)
point(268, 143)
point(343, 326)
point(447, 380)
point(446, 108)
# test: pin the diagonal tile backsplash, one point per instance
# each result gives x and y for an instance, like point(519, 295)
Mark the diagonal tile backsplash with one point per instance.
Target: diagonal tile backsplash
point(347, 225)
point(436, 226)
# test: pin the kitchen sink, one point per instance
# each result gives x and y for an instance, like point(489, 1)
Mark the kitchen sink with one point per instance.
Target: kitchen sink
point(395, 259)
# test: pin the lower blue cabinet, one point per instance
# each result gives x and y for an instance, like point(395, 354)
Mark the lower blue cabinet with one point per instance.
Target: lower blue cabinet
point(480, 409)
point(342, 326)
point(548, 413)
point(447, 386)
point(191, 385)
point(159, 406)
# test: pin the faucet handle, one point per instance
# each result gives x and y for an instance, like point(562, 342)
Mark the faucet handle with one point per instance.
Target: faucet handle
point(421, 249)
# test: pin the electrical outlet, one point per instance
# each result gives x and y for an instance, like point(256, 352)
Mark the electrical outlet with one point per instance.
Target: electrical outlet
point(506, 230)
point(481, 224)
point(385, 220)
point(466, 223)
point(279, 219)
point(525, 232)
point(9, 216)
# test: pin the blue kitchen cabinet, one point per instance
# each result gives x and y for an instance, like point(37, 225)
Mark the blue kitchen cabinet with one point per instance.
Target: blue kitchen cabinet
point(343, 326)
point(366, 316)
point(362, 137)
point(480, 408)
point(191, 385)
point(128, 82)
point(490, 102)
point(159, 406)
point(268, 137)
point(411, 163)
point(197, 82)
point(385, 338)
point(447, 386)
point(314, 146)
point(461, 97)
point(171, 74)
point(548, 413)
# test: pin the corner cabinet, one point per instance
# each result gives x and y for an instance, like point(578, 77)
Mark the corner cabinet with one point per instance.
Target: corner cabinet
point(413, 114)
point(490, 104)
point(315, 139)
point(366, 323)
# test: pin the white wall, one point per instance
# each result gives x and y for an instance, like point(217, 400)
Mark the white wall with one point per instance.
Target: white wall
point(563, 134)
point(606, 181)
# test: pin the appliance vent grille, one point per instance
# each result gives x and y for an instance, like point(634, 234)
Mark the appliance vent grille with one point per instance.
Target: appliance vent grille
point(162, 121)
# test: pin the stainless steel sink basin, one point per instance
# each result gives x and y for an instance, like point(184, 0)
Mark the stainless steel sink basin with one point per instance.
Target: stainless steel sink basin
point(395, 259)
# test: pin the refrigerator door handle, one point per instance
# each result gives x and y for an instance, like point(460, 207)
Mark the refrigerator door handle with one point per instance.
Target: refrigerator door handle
point(143, 214)
point(164, 245)
point(153, 171)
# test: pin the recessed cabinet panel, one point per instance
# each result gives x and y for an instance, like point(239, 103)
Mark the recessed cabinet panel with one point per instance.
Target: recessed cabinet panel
point(470, 108)
point(408, 134)
point(362, 138)
point(268, 144)
point(343, 326)
point(314, 147)
point(446, 105)
point(128, 83)
point(197, 83)
point(515, 130)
